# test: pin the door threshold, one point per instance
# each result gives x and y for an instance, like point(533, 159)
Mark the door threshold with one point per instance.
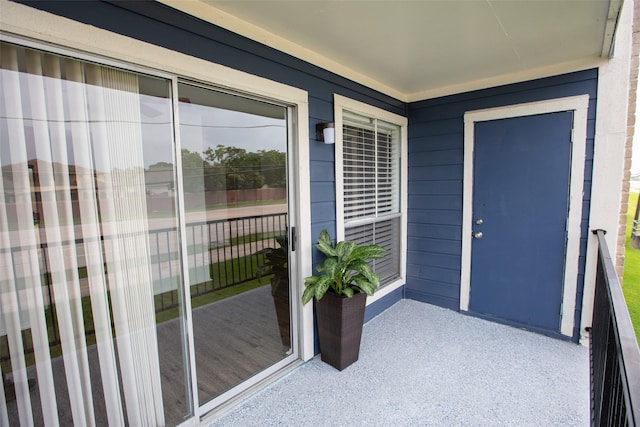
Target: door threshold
point(240, 398)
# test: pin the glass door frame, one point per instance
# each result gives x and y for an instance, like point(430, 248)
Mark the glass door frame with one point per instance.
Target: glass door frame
point(228, 398)
point(119, 55)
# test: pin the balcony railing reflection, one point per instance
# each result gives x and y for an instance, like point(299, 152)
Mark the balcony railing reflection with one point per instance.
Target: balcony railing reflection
point(221, 254)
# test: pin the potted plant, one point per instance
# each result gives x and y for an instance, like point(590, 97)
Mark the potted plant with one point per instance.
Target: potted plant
point(277, 263)
point(340, 292)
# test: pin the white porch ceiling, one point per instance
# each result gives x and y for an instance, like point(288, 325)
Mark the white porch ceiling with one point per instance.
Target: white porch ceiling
point(420, 49)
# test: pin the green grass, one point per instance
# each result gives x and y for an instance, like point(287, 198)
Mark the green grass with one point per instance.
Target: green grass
point(631, 278)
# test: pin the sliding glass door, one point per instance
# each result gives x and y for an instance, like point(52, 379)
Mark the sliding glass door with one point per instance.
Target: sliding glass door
point(139, 284)
point(234, 168)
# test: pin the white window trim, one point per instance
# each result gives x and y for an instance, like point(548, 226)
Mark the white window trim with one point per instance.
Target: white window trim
point(341, 103)
point(579, 105)
point(30, 27)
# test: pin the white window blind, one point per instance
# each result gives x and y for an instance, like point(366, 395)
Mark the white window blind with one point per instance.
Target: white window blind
point(371, 187)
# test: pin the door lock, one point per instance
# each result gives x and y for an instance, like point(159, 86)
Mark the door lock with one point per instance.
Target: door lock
point(477, 235)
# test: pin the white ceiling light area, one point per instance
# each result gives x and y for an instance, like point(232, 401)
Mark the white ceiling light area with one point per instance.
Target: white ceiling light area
point(425, 48)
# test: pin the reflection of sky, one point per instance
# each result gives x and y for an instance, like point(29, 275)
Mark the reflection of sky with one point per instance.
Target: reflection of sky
point(156, 121)
point(203, 126)
point(157, 133)
point(206, 127)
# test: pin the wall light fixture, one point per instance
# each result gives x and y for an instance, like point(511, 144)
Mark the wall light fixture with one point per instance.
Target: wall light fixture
point(325, 132)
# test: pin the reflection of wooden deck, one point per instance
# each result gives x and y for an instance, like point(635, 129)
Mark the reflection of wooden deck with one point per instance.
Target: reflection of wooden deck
point(234, 339)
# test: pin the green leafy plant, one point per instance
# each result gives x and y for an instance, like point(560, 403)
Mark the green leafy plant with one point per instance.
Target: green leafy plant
point(346, 270)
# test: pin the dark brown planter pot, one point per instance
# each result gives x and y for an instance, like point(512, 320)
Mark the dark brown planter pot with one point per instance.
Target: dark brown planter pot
point(340, 328)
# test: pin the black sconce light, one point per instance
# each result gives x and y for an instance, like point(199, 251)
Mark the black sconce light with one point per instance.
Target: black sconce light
point(325, 132)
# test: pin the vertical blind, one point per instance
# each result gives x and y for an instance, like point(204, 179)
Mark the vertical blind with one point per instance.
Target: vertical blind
point(74, 245)
point(371, 188)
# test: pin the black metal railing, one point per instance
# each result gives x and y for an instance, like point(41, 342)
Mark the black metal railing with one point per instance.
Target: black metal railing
point(221, 254)
point(615, 358)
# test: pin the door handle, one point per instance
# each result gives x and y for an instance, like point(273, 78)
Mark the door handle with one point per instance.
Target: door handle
point(477, 235)
point(294, 238)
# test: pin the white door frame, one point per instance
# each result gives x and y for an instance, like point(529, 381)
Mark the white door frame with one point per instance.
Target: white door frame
point(579, 105)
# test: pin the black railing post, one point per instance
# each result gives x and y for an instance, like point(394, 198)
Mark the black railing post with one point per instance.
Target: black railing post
point(615, 357)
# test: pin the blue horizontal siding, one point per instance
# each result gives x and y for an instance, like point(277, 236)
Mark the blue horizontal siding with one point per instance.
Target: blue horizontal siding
point(443, 187)
point(446, 126)
point(320, 152)
point(436, 299)
point(435, 173)
point(320, 108)
point(322, 171)
point(435, 158)
point(437, 246)
point(433, 201)
point(322, 192)
point(445, 290)
point(447, 232)
point(437, 274)
point(437, 217)
point(436, 140)
point(451, 262)
point(450, 141)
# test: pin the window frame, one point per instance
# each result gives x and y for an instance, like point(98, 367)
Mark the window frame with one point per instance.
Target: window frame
point(341, 104)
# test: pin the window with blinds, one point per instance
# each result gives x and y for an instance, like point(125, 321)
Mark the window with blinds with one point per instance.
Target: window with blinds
point(371, 188)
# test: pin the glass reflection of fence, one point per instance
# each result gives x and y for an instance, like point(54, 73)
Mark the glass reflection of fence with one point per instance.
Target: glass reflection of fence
point(220, 254)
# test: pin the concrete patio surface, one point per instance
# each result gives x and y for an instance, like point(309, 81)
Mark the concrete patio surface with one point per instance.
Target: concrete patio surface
point(421, 365)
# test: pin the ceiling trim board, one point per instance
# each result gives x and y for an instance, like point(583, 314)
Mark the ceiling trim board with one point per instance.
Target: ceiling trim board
point(213, 15)
point(227, 21)
point(505, 79)
point(608, 45)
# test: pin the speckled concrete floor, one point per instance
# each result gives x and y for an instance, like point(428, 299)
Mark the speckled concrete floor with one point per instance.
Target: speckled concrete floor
point(422, 365)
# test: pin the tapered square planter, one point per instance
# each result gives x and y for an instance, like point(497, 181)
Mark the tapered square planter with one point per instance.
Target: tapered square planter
point(340, 328)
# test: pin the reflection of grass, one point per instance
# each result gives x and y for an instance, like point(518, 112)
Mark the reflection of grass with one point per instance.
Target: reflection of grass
point(208, 298)
point(254, 237)
point(224, 275)
point(196, 248)
point(52, 325)
point(631, 280)
point(229, 272)
point(171, 213)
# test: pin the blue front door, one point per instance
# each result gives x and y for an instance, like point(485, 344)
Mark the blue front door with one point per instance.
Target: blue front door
point(520, 205)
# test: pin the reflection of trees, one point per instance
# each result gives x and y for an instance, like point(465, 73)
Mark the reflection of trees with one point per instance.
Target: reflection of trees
point(192, 172)
point(229, 168)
